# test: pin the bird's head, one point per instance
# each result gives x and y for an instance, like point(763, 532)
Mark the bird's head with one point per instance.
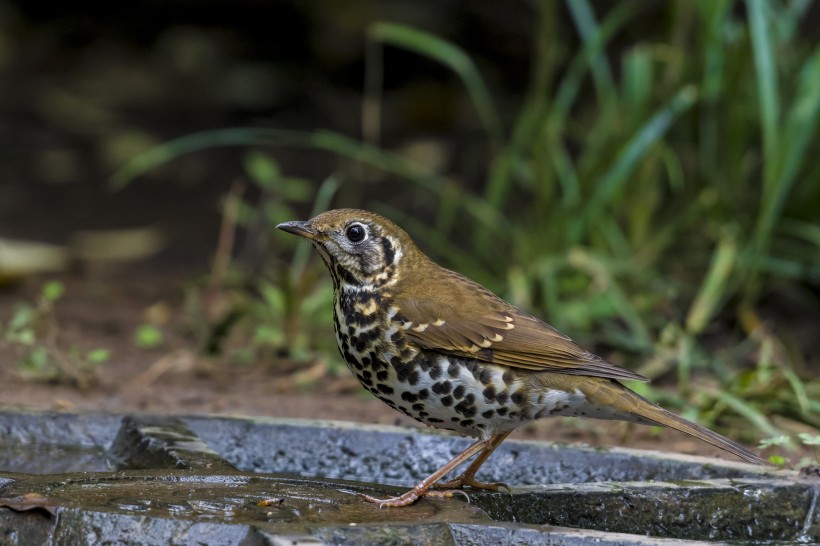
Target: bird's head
point(360, 248)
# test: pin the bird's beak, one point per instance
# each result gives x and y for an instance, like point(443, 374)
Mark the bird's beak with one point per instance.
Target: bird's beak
point(298, 228)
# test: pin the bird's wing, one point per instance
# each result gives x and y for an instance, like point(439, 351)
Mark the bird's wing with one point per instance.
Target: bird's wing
point(464, 319)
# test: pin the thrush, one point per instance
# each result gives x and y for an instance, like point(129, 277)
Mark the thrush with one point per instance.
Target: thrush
point(446, 351)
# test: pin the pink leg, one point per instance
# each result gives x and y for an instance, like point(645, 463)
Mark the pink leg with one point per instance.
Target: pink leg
point(423, 487)
point(468, 476)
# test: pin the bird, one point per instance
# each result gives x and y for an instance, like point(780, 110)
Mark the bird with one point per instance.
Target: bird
point(446, 351)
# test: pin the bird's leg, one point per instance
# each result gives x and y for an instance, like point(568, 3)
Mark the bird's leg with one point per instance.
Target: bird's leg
point(468, 476)
point(423, 487)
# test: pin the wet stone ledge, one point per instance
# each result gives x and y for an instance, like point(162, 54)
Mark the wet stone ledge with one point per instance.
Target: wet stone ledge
point(82, 478)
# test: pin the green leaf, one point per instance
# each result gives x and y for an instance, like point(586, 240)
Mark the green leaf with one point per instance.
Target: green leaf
point(263, 170)
point(782, 440)
point(98, 356)
point(53, 290)
point(148, 336)
point(809, 439)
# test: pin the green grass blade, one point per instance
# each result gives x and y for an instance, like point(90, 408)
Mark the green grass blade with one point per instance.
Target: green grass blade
point(634, 150)
point(451, 56)
point(584, 18)
point(798, 131)
point(716, 14)
point(327, 141)
point(713, 290)
point(748, 411)
point(760, 17)
point(567, 92)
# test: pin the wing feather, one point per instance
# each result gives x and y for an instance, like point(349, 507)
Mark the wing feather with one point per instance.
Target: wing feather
point(465, 319)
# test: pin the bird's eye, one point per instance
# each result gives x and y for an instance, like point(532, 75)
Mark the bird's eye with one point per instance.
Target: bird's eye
point(356, 233)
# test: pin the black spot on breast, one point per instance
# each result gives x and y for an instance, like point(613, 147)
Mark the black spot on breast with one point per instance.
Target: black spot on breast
point(436, 372)
point(447, 401)
point(467, 409)
point(488, 414)
point(365, 337)
point(413, 378)
point(418, 407)
point(423, 394)
point(424, 363)
point(403, 371)
point(459, 391)
point(508, 377)
point(453, 369)
point(442, 387)
point(366, 376)
point(349, 359)
point(435, 420)
point(489, 393)
point(409, 396)
point(382, 375)
point(379, 364)
point(466, 423)
point(517, 397)
point(384, 389)
point(501, 411)
point(502, 397)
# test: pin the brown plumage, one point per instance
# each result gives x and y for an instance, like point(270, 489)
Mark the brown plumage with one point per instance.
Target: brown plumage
point(441, 348)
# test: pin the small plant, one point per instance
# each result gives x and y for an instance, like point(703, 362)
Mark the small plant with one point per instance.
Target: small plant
point(258, 307)
point(33, 335)
point(786, 443)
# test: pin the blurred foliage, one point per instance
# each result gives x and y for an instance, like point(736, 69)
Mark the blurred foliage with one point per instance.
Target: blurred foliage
point(654, 197)
point(276, 309)
point(32, 334)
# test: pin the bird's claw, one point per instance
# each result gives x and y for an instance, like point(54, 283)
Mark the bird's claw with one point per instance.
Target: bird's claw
point(469, 481)
point(412, 496)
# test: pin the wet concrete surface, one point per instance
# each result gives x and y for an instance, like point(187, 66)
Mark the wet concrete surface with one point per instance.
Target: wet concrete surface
point(79, 478)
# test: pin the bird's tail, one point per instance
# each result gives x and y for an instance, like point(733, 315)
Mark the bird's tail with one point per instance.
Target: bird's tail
point(645, 411)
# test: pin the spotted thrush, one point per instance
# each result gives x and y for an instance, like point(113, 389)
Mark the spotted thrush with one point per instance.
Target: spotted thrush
point(446, 351)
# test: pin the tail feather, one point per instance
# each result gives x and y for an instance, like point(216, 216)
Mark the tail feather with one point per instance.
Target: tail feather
point(647, 410)
point(610, 393)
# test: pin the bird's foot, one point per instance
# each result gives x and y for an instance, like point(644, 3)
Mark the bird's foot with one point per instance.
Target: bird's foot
point(412, 496)
point(470, 481)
